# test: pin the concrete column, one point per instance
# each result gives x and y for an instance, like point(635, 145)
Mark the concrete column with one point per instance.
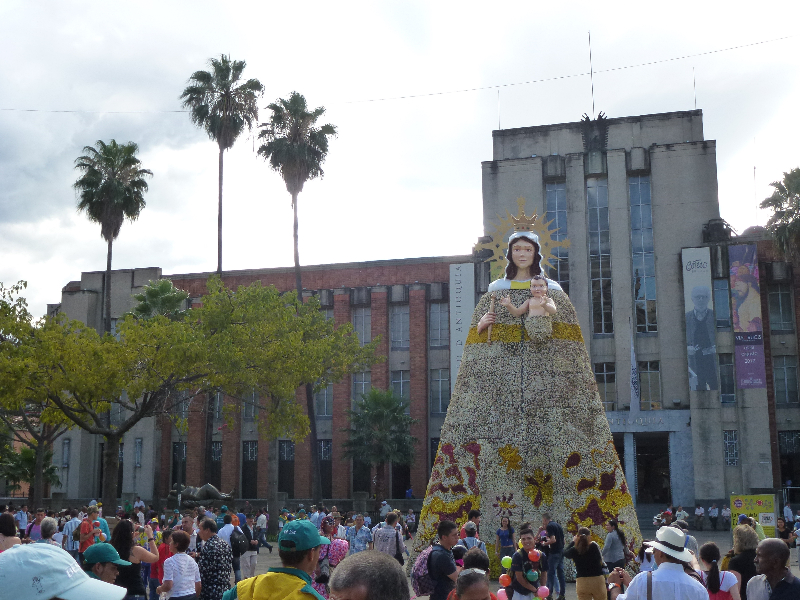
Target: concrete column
point(302, 455)
point(262, 467)
point(379, 322)
point(630, 465)
point(342, 392)
point(579, 291)
point(166, 456)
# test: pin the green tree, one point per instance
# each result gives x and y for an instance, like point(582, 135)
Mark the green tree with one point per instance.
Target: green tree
point(110, 189)
point(784, 224)
point(380, 432)
point(253, 338)
point(296, 148)
point(25, 466)
point(160, 298)
point(223, 104)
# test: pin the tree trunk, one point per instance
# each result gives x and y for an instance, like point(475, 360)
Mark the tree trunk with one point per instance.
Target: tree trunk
point(316, 476)
point(379, 471)
point(37, 495)
point(107, 320)
point(110, 473)
point(219, 218)
point(272, 487)
point(211, 399)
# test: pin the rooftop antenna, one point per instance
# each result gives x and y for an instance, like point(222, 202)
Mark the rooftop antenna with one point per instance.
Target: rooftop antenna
point(694, 82)
point(498, 109)
point(591, 71)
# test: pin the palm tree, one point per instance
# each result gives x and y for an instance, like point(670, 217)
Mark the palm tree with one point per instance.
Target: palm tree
point(785, 220)
point(223, 105)
point(380, 432)
point(296, 148)
point(110, 190)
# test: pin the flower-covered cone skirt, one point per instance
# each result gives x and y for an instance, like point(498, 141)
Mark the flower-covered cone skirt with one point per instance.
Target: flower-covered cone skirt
point(526, 432)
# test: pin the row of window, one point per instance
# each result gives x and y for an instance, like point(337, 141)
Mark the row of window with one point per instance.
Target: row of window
point(784, 370)
point(399, 325)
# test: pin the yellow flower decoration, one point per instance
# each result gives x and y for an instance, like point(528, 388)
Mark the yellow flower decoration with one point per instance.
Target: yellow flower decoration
point(539, 488)
point(510, 457)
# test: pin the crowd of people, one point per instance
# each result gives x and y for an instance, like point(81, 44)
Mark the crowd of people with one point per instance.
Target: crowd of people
point(194, 554)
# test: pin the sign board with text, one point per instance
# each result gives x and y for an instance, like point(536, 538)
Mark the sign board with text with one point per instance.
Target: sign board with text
point(760, 507)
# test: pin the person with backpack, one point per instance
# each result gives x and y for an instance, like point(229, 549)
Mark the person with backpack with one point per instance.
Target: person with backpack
point(555, 554)
point(237, 541)
point(435, 571)
point(526, 574)
point(471, 540)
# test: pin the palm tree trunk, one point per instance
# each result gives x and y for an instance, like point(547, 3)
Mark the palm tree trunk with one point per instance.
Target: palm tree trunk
point(316, 475)
point(110, 472)
point(219, 218)
point(107, 320)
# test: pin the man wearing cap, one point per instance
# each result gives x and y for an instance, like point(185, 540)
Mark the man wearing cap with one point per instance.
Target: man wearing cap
point(45, 572)
point(669, 582)
point(298, 547)
point(101, 561)
point(774, 580)
point(471, 541)
point(221, 517)
point(385, 509)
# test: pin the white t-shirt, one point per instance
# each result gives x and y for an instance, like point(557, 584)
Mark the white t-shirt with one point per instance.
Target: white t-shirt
point(726, 580)
point(262, 521)
point(699, 512)
point(225, 532)
point(183, 572)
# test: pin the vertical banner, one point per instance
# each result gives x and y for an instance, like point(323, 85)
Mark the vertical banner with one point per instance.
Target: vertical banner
point(746, 311)
point(760, 507)
point(462, 305)
point(701, 323)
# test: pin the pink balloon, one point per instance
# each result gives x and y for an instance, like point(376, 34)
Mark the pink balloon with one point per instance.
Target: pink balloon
point(543, 592)
point(501, 594)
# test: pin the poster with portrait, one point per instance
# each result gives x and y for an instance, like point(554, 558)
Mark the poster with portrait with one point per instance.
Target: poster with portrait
point(701, 323)
point(746, 313)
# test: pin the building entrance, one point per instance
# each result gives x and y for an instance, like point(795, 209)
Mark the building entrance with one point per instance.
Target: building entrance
point(652, 468)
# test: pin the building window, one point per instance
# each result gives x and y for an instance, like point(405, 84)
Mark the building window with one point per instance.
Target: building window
point(138, 445)
point(722, 303)
point(324, 401)
point(181, 407)
point(731, 441)
point(362, 324)
point(401, 384)
point(214, 469)
point(325, 448)
point(557, 217)
point(784, 371)
point(789, 442)
point(65, 450)
point(178, 462)
point(599, 255)
point(286, 467)
point(439, 324)
point(398, 318)
point(249, 469)
point(440, 390)
point(216, 451)
point(606, 377)
point(249, 404)
point(727, 380)
point(649, 385)
point(328, 312)
point(362, 382)
point(644, 263)
point(780, 307)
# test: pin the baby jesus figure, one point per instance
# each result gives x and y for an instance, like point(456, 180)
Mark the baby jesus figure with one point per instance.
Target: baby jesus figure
point(538, 305)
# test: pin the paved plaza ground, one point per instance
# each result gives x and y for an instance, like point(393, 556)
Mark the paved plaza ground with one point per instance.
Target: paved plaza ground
point(723, 539)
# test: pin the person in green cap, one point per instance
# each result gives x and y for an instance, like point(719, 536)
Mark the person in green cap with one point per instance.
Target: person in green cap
point(101, 561)
point(220, 518)
point(299, 544)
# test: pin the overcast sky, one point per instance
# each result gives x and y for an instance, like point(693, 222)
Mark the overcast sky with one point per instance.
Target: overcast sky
point(403, 176)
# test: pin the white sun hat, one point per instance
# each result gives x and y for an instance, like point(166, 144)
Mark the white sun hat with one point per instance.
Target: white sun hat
point(672, 541)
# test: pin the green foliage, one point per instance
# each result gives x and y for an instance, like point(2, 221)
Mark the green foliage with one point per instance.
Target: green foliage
point(294, 146)
point(784, 224)
point(160, 298)
point(221, 103)
point(20, 467)
point(112, 185)
point(380, 430)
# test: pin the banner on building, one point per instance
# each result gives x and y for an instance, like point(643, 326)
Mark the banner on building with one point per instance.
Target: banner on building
point(701, 323)
point(746, 312)
point(462, 305)
point(760, 507)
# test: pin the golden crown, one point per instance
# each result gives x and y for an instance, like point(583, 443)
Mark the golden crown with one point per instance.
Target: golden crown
point(523, 222)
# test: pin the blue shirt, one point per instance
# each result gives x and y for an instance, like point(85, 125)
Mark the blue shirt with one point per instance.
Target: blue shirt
point(22, 520)
point(359, 540)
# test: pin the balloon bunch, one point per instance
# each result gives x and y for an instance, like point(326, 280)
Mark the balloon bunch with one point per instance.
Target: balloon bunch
point(531, 574)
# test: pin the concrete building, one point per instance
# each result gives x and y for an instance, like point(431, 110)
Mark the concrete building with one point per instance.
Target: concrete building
point(634, 196)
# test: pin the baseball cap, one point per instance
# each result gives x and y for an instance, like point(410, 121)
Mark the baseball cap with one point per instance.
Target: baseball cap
point(223, 508)
point(46, 571)
point(176, 511)
point(103, 553)
point(470, 526)
point(742, 518)
point(300, 535)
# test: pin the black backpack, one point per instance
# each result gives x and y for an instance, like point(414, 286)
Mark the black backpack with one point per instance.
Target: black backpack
point(239, 542)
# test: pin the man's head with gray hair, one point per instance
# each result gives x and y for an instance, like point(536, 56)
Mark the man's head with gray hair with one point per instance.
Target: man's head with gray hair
point(369, 575)
point(701, 295)
point(48, 526)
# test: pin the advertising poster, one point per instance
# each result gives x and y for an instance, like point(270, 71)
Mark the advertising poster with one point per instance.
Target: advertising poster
point(746, 312)
point(701, 323)
point(761, 508)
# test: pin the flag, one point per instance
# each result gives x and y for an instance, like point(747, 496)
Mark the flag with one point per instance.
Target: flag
point(635, 392)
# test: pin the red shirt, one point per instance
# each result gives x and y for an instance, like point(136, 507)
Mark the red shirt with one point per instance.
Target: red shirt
point(86, 527)
point(157, 568)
